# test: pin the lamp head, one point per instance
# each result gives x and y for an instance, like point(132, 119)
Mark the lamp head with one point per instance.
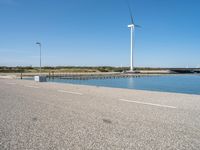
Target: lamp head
point(38, 43)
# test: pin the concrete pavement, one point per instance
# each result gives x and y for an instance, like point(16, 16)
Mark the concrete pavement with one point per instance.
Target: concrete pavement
point(64, 116)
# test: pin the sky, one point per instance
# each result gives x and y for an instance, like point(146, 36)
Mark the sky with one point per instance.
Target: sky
point(95, 33)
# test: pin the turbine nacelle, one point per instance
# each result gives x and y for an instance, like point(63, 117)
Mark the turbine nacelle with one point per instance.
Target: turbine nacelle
point(131, 26)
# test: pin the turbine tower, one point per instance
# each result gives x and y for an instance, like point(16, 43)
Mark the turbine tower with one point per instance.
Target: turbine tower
point(132, 27)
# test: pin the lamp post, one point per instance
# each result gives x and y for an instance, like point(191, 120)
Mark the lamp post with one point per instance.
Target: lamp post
point(40, 45)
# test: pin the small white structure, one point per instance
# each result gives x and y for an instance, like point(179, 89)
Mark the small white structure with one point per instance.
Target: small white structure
point(40, 78)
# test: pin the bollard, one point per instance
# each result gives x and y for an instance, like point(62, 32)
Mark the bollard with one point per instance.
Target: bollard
point(53, 74)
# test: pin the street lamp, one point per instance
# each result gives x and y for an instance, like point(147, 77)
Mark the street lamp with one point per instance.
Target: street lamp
point(40, 45)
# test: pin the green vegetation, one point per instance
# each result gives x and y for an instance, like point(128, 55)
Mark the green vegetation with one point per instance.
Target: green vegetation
point(61, 69)
point(4, 69)
point(74, 69)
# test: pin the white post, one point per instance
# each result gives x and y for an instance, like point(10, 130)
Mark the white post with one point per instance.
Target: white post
point(131, 69)
point(131, 57)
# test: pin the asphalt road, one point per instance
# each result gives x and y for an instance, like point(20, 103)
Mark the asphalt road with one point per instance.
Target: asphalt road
point(48, 116)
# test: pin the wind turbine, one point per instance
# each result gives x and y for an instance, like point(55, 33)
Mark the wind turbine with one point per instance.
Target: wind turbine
point(132, 27)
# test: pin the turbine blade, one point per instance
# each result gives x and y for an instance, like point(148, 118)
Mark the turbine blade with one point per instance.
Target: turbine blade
point(137, 26)
point(130, 11)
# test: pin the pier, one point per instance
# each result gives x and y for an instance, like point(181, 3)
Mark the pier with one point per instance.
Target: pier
point(98, 76)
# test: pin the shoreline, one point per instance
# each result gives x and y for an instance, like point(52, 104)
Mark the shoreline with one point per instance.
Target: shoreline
point(110, 86)
point(60, 84)
point(18, 75)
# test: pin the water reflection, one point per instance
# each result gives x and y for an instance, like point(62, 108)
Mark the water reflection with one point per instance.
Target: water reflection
point(130, 82)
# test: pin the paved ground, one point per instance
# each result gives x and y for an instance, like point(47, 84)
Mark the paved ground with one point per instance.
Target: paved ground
point(59, 116)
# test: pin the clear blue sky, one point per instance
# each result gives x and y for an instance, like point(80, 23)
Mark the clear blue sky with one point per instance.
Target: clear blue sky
point(95, 33)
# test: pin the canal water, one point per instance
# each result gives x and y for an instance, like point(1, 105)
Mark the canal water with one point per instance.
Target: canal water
point(189, 84)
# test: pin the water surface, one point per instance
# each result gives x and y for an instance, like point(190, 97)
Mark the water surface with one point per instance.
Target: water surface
point(189, 84)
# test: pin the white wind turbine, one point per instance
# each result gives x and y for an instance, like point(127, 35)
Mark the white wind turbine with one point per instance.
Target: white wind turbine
point(132, 27)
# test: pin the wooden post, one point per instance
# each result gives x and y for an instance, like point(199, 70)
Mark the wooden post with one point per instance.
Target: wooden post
point(53, 74)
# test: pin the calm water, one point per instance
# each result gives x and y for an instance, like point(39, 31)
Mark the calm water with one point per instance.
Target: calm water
point(189, 84)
